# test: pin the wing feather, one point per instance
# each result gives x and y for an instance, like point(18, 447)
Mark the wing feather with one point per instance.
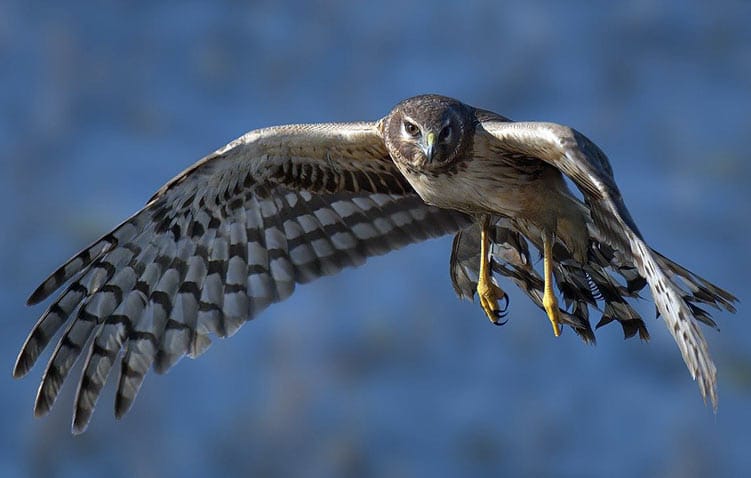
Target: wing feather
point(216, 245)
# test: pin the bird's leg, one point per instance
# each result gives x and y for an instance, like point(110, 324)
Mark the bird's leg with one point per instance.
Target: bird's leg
point(487, 291)
point(549, 300)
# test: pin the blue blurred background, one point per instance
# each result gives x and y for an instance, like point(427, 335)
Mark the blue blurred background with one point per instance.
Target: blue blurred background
point(381, 370)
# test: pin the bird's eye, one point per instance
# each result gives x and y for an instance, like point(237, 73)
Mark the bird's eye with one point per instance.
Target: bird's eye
point(411, 128)
point(445, 133)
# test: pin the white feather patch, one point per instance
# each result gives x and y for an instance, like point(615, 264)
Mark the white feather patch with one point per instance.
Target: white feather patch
point(344, 208)
point(257, 255)
point(326, 216)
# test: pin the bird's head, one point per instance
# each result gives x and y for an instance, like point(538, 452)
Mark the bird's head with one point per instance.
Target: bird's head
point(428, 132)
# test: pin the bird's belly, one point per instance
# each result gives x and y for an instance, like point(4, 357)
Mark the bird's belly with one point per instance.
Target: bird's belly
point(533, 204)
point(470, 194)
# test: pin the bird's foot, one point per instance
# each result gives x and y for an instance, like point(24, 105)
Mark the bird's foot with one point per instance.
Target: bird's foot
point(490, 296)
point(551, 307)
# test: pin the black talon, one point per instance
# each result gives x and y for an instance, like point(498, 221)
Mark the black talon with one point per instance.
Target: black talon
point(499, 314)
point(500, 322)
point(504, 309)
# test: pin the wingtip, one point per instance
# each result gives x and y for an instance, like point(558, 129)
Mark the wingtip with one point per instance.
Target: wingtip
point(41, 408)
point(20, 369)
point(43, 290)
point(707, 389)
point(25, 361)
point(80, 423)
point(43, 401)
point(47, 392)
point(122, 405)
point(36, 297)
point(712, 399)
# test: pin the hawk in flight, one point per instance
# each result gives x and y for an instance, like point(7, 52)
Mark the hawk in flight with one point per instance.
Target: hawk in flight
point(284, 205)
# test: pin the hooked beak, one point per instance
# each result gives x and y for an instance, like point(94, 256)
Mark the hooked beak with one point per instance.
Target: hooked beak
point(428, 146)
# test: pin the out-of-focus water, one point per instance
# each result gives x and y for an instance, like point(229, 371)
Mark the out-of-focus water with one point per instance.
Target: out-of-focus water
point(381, 370)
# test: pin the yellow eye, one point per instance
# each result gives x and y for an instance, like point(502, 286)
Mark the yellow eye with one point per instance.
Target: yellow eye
point(411, 129)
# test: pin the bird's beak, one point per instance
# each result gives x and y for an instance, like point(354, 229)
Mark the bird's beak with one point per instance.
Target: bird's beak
point(428, 146)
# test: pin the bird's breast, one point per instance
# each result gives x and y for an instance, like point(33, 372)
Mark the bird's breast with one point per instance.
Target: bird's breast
point(491, 186)
point(475, 187)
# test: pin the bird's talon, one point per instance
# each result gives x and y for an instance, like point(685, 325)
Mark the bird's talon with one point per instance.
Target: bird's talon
point(505, 300)
point(490, 295)
point(500, 314)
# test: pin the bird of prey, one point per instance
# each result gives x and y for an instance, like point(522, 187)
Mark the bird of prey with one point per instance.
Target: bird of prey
point(280, 206)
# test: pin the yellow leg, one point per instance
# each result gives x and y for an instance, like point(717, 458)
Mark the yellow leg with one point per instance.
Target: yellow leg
point(487, 291)
point(548, 299)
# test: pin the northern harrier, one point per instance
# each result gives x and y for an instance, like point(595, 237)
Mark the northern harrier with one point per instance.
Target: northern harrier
point(284, 205)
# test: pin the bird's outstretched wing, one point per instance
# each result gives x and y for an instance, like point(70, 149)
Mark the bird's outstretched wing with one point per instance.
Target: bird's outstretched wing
point(587, 166)
point(220, 242)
